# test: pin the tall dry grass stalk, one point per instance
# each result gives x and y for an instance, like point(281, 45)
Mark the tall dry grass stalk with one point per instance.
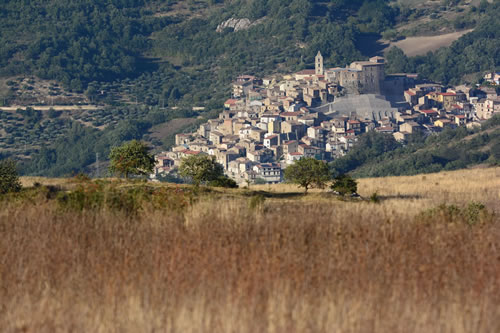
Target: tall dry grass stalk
point(286, 265)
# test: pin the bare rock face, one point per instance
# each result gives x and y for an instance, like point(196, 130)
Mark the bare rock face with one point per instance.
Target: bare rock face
point(237, 24)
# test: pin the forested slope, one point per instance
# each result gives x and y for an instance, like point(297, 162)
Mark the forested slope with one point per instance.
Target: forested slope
point(378, 155)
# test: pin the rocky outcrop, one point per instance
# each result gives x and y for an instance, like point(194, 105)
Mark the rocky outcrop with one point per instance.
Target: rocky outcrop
point(237, 24)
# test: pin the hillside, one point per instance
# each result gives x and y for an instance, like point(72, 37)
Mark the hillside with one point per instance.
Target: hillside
point(379, 155)
point(424, 256)
point(145, 62)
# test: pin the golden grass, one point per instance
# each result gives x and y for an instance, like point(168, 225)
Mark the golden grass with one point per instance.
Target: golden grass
point(28, 181)
point(291, 264)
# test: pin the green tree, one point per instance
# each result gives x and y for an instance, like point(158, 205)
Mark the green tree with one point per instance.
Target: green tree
point(201, 169)
point(308, 172)
point(52, 113)
point(131, 158)
point(9, 179)
point(344, 184)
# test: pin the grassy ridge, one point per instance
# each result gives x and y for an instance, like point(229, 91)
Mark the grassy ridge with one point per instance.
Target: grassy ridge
point(290, 263)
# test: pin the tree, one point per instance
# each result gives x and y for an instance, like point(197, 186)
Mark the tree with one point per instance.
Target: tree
point(201, 169)
point(131, 158)
point(344, 184)
point(9, 179)
point(308, 172)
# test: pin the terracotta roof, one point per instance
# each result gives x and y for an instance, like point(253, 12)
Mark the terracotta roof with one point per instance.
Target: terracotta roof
point(230, 101)
point(444, 120)
point(409, 92)
point(268, 165)
point(191, 152)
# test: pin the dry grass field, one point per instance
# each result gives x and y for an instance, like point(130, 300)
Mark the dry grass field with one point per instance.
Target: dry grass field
point(288, 263)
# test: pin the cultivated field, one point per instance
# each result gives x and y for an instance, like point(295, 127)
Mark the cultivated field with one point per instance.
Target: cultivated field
point(266, 259)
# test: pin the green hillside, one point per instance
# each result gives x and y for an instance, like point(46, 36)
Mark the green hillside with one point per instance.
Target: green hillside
point(378, 155)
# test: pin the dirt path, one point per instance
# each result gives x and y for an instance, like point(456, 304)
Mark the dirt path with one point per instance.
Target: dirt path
point(413, 46)
point(55, 107)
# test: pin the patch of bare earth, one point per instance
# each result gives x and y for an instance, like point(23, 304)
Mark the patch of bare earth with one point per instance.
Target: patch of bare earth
point(413, 46)
point(171, 127)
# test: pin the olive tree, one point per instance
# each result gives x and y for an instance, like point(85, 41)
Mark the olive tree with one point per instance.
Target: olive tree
point(307, 173)
point(131, 158)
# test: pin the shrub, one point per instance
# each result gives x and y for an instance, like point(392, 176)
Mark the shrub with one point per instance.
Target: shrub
point(223, 181)
point(98, 195)
point(470, 214)
point(260, 181)
point(374, 197)
point(256, 201)
point(9, 178)
point(345, 185)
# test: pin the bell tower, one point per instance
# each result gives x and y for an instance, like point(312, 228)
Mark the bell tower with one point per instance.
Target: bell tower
point(319, 64)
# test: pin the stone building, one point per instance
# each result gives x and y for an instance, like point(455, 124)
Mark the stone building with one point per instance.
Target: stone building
point(361, 77)
point(319, 68)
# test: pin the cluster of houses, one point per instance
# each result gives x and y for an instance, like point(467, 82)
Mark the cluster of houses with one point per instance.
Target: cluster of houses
point(270, 123)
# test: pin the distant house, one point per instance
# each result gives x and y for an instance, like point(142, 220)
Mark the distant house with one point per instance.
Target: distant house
point(409, 127)
point(292, 157)
point(354, 124)
point(385, 129)
point(492, 77)
point(290, 146)
point(290, 116)
point(270, 172)
point(460, 119)
point(443, 122)
point(303, 74)
point(401, 136)
point(430, 114)
point(412, 96)
point(486, 108)
point(271, 140)
point(182, 138)
point(216, 137)
point(446, 99)
point(230, 103)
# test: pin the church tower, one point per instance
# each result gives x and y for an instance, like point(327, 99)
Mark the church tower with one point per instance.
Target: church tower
point(319, 64)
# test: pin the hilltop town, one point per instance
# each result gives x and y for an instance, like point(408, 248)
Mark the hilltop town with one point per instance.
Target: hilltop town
point(269, 123)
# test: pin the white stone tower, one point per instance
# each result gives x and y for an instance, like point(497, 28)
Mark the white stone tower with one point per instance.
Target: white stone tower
point(319, 64)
